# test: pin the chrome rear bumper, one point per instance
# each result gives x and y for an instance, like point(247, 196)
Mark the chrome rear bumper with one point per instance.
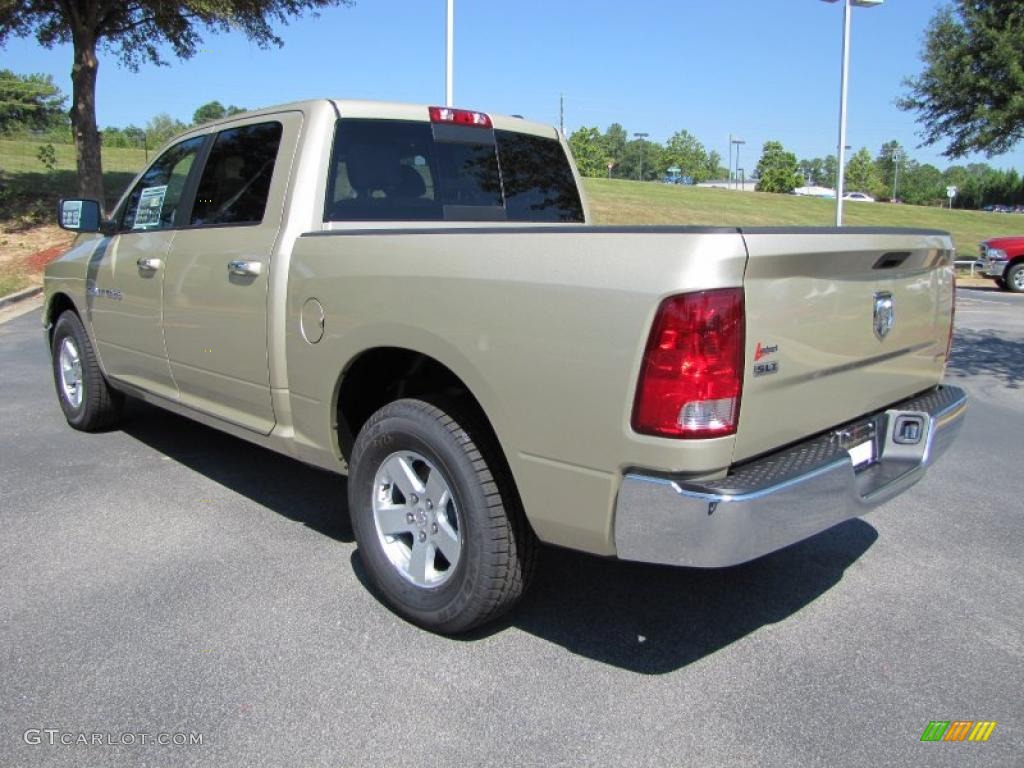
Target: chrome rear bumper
point(782, 498)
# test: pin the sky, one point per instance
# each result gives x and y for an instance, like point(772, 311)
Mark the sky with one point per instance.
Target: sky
point(758, 70)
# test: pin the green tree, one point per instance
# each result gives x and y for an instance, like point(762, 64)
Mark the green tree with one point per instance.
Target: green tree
point(922, 184)
point(862, 175)
point(214, 110)
point(134, 32)
point(30, 101)
point(685, 152)
point(588, 151)
point(890, 156)
point(47, 155)
point(161, 128)
point(777, 170)
point(969, 93)
point(714, 167)
point(829, 171)
point(641, 159)
point(615, 140)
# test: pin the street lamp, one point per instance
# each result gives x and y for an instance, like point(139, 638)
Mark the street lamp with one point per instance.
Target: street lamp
point(641, 136)
point(737, 142)
point(449, 50)
point(894, 154)
point(842, 96)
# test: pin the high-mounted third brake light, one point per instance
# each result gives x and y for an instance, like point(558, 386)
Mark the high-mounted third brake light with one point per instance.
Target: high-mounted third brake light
point(692, 372)
point(459, 117)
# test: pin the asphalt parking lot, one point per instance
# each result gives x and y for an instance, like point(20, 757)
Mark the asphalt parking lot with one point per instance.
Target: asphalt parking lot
point(167, 579)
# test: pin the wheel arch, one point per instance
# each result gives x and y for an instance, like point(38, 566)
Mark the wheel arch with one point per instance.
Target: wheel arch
point(379, 375)
point(57, 305)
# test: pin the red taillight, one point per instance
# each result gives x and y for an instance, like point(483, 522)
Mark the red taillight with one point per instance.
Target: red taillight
point(692, 372)
point(459, 117)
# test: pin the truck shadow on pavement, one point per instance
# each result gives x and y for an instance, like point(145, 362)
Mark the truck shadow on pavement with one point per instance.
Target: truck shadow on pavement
point(290, 488)
point(986, 353)
point(654, 619)
point(643, 618)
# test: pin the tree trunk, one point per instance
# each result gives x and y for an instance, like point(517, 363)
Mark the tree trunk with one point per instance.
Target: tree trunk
point(83, 118)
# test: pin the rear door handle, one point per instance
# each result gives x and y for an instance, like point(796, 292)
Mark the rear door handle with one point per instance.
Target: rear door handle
point(245, 268)
point(149, 263)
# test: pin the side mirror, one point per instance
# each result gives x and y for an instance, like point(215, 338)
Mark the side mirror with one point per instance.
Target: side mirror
point(79, 215)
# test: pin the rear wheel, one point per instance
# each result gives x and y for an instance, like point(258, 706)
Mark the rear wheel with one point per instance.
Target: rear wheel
point(86, 398)
point(1015, 278)
point(437, 519)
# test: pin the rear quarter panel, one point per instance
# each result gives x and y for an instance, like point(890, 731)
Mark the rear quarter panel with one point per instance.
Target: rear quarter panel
point(545, 325)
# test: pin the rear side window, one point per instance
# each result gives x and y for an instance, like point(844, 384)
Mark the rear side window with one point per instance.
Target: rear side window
point(538, 181)
point(399, 170)
point(236, 180)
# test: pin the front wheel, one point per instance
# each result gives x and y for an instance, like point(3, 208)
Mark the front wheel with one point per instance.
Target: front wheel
point(1015, 278)
point(88, 402)
point(437, 519)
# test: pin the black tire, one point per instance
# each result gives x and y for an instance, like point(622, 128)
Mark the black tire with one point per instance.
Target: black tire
point(97, 406)
point(1000, 283)
point(496, 551)
point(1015, 278)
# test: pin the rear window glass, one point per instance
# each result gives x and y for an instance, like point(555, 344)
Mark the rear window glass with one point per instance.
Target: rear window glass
point(397, 170)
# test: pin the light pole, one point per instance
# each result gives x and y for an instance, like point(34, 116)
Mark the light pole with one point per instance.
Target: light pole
point(842, 97)
point(895, 154)
point(729, 180)
point(449, 51)
point(641, 136)
point(738, 143)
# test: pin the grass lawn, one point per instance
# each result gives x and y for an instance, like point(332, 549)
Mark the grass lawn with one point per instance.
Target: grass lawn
point(18, 156)
point(12, 279)
point(631, 202)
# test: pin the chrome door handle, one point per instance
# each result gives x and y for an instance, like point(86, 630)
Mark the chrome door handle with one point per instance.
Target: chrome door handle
point(149, 263)
point(245, 268)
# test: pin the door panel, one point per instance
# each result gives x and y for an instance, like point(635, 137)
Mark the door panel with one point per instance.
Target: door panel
point(126, 287)
point(215, 319)
point(124, 300)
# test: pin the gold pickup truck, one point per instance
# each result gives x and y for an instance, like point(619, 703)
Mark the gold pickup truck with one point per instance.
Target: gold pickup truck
point(413, 296)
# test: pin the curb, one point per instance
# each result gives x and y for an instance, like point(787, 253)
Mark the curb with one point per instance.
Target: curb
point(14, 298)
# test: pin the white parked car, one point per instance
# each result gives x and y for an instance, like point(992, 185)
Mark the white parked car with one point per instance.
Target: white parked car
point(860, 196)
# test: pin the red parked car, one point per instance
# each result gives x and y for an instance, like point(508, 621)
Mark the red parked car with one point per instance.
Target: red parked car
point(1003, 259)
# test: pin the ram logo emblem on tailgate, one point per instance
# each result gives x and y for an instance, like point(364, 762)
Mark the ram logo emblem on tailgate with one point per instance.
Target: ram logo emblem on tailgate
point(885, 315)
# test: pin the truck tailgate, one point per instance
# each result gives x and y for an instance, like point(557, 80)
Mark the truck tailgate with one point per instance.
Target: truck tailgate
point(815, 358)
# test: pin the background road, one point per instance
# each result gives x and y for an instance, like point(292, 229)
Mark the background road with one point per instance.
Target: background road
point(168, 578)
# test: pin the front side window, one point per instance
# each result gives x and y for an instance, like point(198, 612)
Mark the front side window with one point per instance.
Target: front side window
point(236, 179)
point(153, 203)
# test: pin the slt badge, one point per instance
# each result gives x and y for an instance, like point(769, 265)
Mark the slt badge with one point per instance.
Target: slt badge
point(885, 315)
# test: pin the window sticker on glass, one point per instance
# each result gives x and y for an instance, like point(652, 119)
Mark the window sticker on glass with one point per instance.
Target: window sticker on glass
point(151, 202)
point(71, 214)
